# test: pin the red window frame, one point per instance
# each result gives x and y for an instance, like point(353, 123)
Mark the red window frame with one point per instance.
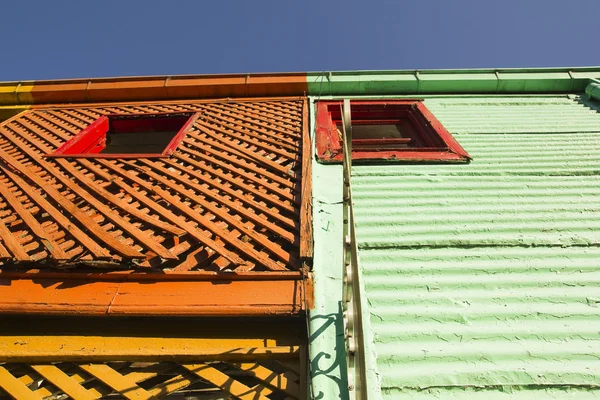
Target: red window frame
point(92, 140)
point(433, 143)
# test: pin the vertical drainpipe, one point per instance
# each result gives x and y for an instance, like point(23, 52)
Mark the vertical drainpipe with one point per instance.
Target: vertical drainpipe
point(593, 89)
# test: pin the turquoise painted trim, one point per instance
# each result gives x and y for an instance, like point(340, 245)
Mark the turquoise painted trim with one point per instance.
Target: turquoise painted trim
point(326, 336)
point(485, 81)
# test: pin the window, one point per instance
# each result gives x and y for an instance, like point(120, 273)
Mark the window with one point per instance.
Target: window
point(129, 136)
point(402, 130)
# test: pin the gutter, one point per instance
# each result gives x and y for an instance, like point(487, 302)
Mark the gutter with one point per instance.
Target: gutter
point(326, 83)
point(98, 90)
point(483, 81)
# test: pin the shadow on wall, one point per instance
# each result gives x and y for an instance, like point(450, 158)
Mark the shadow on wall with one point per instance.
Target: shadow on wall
point(589, 102)
point(322, 363)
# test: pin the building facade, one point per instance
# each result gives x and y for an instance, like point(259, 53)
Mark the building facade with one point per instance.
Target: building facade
point(210, 237)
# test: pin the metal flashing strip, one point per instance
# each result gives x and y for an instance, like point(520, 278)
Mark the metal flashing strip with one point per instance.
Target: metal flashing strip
point(499, 80)
point(351, 294)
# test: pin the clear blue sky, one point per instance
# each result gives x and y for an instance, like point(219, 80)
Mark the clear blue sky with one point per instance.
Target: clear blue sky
point(87, 38)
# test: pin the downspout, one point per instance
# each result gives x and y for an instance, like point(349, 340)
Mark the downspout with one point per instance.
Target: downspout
point(593, 89)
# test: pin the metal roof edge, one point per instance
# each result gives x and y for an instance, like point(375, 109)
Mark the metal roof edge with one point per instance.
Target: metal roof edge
point(468, 81)
point(140, 88)
point(173, 87)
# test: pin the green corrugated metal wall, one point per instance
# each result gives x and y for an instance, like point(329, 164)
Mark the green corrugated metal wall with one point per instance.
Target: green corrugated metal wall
point(483, 280)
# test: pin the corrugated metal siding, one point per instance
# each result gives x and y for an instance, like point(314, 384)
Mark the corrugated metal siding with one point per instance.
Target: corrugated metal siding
point(484, 279)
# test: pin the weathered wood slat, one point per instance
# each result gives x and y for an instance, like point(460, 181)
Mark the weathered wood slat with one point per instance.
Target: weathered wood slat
point(53, 247)
point(235, 182)
point(118, 382)
point(12, 244)
point(270, 115)
point(202, 238)
point(216, 377)
point(217, 144)
point(284, 194)
point(238, 195)
point(94, 187)
point(173, 385)
point(208, 224)
point(247, 137)
point(64, 382)
point(98, 251)
point(152, 205)
point(14, 387)
point(277, 136)
point(239, 208)
point(119, 247)
point(274, 379)
point(306, 217)
point(4, 254)
point(131, 229)
point(225, 216)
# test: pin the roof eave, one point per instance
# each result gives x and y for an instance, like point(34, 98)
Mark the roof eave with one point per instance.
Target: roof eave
point(458, 81)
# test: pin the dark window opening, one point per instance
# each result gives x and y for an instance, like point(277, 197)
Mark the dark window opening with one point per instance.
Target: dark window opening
point(129, 136)
point(386, 130)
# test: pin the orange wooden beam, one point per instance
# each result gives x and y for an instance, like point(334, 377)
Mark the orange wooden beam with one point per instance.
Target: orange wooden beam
point(55, 296)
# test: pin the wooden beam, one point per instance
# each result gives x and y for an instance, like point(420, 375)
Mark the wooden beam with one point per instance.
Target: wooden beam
point(306, 232)
point(49, 296)
point(93, 349)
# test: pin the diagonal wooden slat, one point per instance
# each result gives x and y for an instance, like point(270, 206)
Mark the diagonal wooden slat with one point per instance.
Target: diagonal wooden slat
point(53, 247)
point(273, 112)
point(12, 244)
point(271, 116)
point(143, 199)
point(246, 206)
point(93, 186)
point(176, 203)
point(223, 213)
point(247, 137)
point(149, 372)
point(256, 179)
point(4, 254)
point(223, 144)
point(226, 236)
point(274, 203)
point(172, 385)
point(121, 384)
point(136, 233)
point(225, 382)
point(119, 247)
point(58, 216)
point(14, 387)
point(274, 379)
point(64, 382)
point(275, 134)
point(242, 160)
